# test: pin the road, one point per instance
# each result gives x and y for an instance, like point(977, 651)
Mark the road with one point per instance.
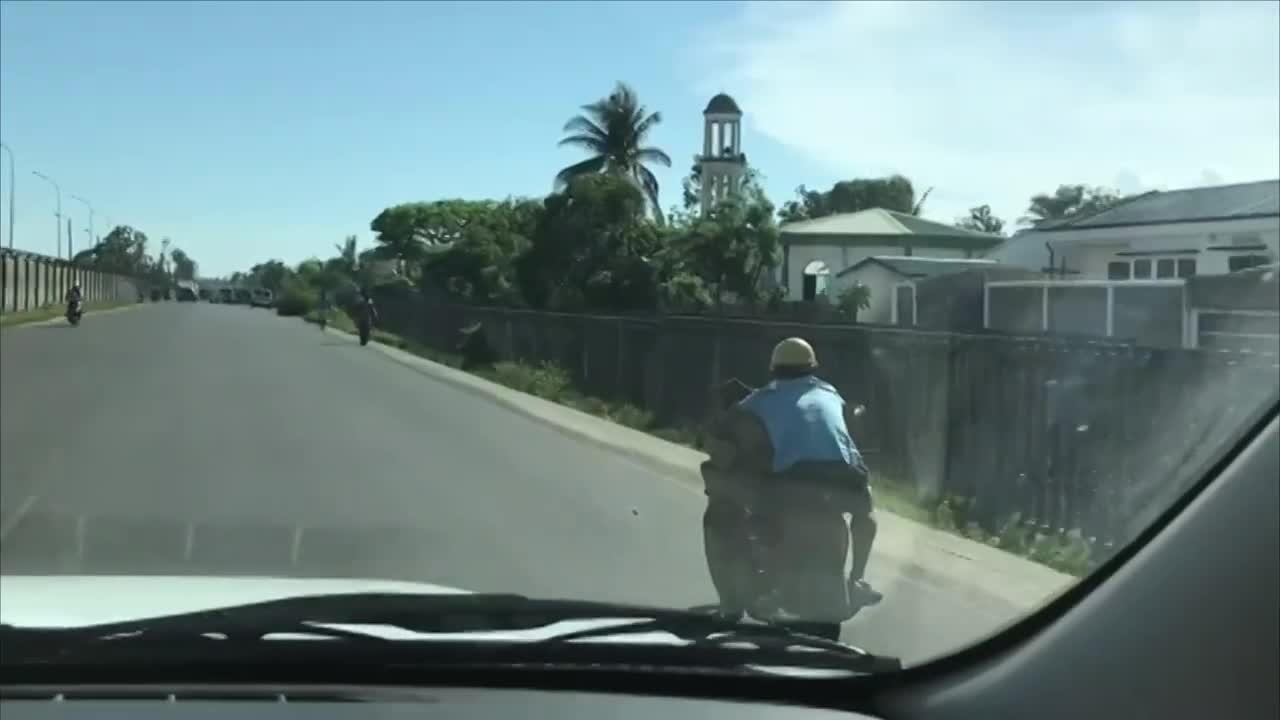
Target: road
point(202, 439)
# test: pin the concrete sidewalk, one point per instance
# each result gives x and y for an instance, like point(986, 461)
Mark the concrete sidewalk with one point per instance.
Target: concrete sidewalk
point(963, 566)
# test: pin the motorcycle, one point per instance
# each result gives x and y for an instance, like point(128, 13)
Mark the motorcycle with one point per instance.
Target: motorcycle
point(797, 540)
point(75, 309)
point(365, 328)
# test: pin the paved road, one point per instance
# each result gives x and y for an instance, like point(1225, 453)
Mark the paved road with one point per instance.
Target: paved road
point(206, 439)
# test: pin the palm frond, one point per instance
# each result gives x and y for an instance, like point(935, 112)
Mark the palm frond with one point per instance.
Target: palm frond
point(653, 154)
point(586, 167)
point(585, 126)
point(644, 126)
point(586, 142)
point(649, 183)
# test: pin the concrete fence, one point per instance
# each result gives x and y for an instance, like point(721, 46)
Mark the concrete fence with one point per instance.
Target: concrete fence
point(29, 281)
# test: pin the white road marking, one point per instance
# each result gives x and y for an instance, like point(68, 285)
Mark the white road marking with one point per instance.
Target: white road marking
point(296, 548)
point(23, 508)
point(189, 544)
point(81, 522)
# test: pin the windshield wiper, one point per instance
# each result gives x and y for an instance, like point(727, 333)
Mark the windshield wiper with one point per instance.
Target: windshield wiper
point(446, 629)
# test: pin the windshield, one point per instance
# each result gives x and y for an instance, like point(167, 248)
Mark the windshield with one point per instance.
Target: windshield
point(882, 323)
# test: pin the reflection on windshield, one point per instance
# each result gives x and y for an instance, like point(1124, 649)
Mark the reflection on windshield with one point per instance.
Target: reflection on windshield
point(775, 347)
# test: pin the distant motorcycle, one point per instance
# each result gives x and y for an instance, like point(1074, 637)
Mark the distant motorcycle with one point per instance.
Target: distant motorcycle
point(75, 310)
point(365, 329)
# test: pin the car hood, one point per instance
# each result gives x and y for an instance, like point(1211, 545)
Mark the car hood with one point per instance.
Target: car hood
point(68, 601)
point(80, 600)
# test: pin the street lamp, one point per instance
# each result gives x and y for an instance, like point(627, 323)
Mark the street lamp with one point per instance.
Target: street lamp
point(57, 213)
point(9, 150)
point(90, 231)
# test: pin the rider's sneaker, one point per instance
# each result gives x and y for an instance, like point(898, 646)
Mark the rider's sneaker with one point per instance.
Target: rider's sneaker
point(861, 594)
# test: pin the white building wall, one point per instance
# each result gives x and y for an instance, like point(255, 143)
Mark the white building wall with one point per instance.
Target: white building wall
point(839, 257)
point(1090, 252)
point(881, 281)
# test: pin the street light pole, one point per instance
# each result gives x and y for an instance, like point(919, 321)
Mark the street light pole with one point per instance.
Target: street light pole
point(58, 212)
point(9, 150)
point(90, 231)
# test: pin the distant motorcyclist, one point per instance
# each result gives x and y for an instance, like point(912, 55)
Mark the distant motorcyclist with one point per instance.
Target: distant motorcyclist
point(366, 314)
point(74, 295)
point(790, 435)
point(323, 308)
point(366, 311)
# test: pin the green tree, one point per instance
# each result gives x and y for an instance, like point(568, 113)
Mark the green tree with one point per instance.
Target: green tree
point(592, 247)
point(122, 251)
point(184, 268)
point(691, 186)
point(347, 259)
point(1068, 201)
point(270, 275)
point(731, 248)
point(981, 220)
point(479, 263)
point(614, 130)
point(398, 238)
point(848, 196)
point(853, 300)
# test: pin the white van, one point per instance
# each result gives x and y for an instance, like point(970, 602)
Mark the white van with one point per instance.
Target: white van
point(262, 297)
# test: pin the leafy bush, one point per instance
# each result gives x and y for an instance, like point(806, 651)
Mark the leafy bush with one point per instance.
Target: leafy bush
point(545, 381)
point(632, 417)
point(297, 299)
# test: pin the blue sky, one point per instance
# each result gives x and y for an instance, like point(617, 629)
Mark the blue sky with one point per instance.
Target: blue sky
point(246, 131)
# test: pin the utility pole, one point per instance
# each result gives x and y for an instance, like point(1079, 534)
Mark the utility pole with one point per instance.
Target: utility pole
point(57, 213)
point(90, 230)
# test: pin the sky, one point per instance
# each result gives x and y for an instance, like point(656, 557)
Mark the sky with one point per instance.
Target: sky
point(246, 131)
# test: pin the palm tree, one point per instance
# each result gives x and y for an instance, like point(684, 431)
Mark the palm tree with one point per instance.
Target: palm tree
point(613, 129)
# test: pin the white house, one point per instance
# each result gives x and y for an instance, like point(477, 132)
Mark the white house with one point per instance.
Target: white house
point(1158, 235)
point(892, 283)
point(815, 251)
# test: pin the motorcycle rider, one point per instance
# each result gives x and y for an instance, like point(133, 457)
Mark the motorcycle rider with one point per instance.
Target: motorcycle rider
point(366, 313)
point(74, 296)
point(795, 430)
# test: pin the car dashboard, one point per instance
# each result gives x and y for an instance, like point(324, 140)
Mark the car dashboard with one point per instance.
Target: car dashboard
point(389, 703)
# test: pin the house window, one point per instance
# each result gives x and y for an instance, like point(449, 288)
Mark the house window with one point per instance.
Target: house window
point(1244, 262)
point(1141, 269)
point(1186, 267)
point(1165, 268)
point(1118, 270)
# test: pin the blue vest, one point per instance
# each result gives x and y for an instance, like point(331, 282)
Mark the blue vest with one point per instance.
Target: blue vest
point(805, 421)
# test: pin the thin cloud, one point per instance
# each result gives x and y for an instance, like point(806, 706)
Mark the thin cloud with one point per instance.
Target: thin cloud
point(993, 102)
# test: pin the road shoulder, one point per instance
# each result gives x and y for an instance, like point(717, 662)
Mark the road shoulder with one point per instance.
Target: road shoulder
point(48, 316)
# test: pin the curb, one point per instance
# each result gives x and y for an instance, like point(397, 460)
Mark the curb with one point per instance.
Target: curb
point(63, 319)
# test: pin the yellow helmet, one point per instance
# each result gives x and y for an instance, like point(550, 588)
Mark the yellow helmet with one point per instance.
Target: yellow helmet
point(793, 352)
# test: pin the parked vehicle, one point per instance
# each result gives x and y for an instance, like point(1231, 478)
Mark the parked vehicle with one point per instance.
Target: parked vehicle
point(262, 297)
